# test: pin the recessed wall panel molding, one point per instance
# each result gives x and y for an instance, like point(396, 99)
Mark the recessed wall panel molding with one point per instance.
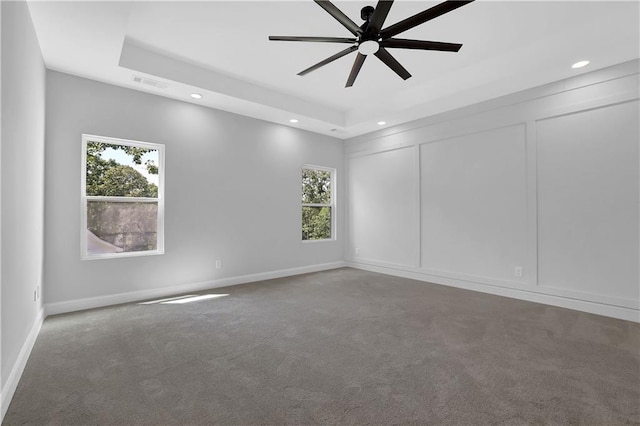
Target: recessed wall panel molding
point(383, 207)
point(473, 205)
point(588, 198)
point(534, 195)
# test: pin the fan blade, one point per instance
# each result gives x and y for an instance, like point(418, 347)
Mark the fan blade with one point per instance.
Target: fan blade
point(401, 43)
point(422, 17)
point(329, 60)
point(356, 69)
point(313, 39)
point(339, 16)
point(379, 16)
point(392, 63)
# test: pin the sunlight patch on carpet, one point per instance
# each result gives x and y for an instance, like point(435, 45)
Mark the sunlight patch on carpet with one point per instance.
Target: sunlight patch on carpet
point(179, 300)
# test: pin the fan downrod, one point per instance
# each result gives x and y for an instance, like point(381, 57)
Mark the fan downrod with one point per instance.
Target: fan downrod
point(366, 13)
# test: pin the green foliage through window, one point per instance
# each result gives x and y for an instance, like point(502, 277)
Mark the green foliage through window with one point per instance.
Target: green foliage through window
point(317, 204)
point(106, 177)
point(316, 187)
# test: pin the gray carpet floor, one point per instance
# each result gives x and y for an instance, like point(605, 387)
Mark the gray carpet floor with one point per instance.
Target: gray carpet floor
point(335, 347)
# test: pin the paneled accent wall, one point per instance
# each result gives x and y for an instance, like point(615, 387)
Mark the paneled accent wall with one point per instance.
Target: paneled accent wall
point(535, 196)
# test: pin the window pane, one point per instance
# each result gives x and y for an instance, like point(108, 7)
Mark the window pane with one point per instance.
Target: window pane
point(316, 187)
point(121, 227)
point(316, 223)
point(121, 170)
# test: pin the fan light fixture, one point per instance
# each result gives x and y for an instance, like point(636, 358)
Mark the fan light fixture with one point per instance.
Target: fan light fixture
point(293, 120)
point(368, 47)
point(381, 123)
point(580, 64)
point(196, 96)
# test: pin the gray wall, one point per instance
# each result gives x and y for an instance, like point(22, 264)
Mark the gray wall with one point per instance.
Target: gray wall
point(546, 180)
point(22, 168)
point(232, 191)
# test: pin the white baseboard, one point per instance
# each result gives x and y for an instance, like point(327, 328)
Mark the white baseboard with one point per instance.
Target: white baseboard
point(16, 372)
point(620, 312)
point(115, 299)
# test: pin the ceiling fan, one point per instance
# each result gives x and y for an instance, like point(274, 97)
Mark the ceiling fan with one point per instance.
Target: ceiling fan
point(370, 38)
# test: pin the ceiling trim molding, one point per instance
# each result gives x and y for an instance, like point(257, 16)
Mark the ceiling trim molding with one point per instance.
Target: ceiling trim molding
point(140, 59)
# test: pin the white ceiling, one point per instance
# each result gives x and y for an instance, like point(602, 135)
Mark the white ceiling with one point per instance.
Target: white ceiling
point(221, 50)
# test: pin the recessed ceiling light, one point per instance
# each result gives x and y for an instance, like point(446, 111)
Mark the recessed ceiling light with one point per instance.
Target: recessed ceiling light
point(381, 123)
point(580, 64)
point(196, 96)
point(293, 120)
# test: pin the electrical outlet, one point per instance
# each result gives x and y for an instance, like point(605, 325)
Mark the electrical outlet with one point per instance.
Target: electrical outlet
point(218, 264)
point(518, 271)
point(357, 250)
point(34, 295)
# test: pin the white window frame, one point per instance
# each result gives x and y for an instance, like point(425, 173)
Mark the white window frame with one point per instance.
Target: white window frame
point(85, 198)
point(331, 204)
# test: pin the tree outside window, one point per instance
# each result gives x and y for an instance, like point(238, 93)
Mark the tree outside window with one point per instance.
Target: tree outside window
point(317, 203)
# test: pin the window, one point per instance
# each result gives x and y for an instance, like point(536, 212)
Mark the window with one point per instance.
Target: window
point(122, 198)
point(318, 203)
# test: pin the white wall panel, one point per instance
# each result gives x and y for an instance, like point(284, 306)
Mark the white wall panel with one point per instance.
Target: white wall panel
point(383, 207)
point(473, 195)
point(588, 182)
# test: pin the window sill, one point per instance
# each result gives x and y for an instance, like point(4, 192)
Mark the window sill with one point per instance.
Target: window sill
point(120, 255)
point(327, 240)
